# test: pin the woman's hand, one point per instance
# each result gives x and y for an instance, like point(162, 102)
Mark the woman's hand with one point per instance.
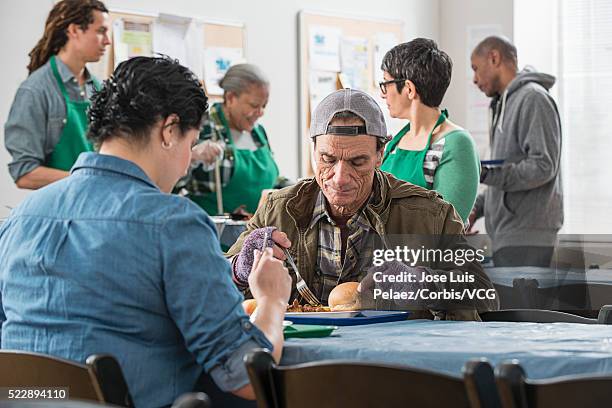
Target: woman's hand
point(269, 278)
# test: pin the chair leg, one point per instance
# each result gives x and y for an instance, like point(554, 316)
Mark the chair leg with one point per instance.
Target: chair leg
point(605, 315)
point(480, 384)
point(510, 378)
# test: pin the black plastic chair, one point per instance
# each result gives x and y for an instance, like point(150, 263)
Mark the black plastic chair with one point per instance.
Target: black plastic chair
point(51, 404)
point(516, 391)
point(192, 400)
point(100, 379)
point(329, 384)
point(545, 316)
point(527, 293)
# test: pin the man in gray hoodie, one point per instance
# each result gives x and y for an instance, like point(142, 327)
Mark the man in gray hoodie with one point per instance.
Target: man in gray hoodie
point(523, 202)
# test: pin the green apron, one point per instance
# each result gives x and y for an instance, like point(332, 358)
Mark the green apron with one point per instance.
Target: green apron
point(253, 172)
point(407, 165)
point(73, 140)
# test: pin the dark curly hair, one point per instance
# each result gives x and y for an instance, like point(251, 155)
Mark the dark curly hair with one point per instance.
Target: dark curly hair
point(64, 13)
point(142, 91)
point(423, 63)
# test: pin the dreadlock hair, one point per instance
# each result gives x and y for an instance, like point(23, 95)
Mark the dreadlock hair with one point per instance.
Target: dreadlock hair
point(142, 91)
point(64, 13)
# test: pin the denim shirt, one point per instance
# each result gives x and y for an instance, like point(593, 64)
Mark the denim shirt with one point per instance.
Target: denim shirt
point(103, 262)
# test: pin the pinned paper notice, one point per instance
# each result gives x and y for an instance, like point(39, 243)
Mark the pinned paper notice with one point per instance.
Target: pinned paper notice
point(180, 38)
point(383, 42)
point(354, 52)
point(169, 39)
point(324, 48)
point(217, 60)
point(131, 39)
point(321, 84)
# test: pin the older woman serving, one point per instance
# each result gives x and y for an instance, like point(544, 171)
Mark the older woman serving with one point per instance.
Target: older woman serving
point(103, 261)
point(232, 136)
point(430, 151)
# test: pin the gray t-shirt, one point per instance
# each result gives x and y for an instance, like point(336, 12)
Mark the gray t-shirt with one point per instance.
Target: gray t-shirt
point(37, 116)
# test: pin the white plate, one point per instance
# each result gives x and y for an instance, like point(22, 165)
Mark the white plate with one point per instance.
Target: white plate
point(329, 315)
point(287, 323)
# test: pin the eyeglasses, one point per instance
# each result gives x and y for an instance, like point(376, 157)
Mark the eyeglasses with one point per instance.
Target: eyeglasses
point(383, 85)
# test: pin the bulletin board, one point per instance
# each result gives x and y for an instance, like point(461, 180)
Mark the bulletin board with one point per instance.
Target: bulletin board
point(211, 34)
point(356, 27)
point(223, 35)
point(105, 67)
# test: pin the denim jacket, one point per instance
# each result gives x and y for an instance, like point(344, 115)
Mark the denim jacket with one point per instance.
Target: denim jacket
point(103, 262)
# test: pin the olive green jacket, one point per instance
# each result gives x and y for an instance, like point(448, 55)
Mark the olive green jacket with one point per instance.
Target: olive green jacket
point(399, 209)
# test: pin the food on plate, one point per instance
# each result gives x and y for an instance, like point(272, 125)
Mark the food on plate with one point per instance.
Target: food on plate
point(296, 307)
point(249, 306)
point(344, 297)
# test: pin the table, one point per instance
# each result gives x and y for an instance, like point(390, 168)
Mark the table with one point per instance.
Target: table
point(544, 350)
point(550, 288)
point(548, 277)
point(229, 230)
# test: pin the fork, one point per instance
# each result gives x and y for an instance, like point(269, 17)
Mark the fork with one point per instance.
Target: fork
point(301, 286)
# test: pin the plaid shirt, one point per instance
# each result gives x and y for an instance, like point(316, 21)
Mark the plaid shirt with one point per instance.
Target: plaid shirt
point(201, 179)
point(358, 254)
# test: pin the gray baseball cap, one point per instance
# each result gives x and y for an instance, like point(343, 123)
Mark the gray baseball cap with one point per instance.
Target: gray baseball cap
point(351, 100)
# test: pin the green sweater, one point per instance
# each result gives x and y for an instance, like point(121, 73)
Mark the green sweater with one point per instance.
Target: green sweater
point(452, 168)
point(458, 174)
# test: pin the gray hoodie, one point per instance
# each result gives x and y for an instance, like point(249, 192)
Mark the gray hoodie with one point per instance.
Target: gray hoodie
point(523, 203)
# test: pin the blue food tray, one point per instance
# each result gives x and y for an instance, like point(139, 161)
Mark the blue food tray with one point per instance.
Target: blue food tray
point(364, 317)
point(492, 162)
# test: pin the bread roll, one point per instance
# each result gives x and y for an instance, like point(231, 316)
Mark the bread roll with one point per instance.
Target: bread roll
point(249, 306)
point(344, 297)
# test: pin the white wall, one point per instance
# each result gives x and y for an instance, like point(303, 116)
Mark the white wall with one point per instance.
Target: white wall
point(455, 18)
point(271, 43)
point(535, 37)
point(21, 26)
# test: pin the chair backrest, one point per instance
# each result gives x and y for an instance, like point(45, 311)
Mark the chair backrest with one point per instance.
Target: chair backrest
point(192, 400)
point(516, 391)
point(546, 316)
point(534, 316)
point(99, 380)
point(351, 384)
point(111, 380)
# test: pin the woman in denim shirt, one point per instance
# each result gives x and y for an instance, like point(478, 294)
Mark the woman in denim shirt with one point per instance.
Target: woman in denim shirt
point(107, 261)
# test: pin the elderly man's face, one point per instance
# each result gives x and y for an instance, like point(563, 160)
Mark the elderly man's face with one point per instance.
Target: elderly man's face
point(345, 169)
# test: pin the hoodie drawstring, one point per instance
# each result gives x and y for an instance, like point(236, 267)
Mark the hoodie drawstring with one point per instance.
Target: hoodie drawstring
point(500, 121)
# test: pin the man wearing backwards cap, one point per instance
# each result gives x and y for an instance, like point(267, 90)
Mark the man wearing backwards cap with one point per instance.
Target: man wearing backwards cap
point(331, 222)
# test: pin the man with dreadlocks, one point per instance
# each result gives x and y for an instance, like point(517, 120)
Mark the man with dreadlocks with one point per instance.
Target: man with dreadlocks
point(45, 130)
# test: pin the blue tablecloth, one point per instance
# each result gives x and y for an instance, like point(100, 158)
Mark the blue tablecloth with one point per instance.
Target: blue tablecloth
point(544, 350)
